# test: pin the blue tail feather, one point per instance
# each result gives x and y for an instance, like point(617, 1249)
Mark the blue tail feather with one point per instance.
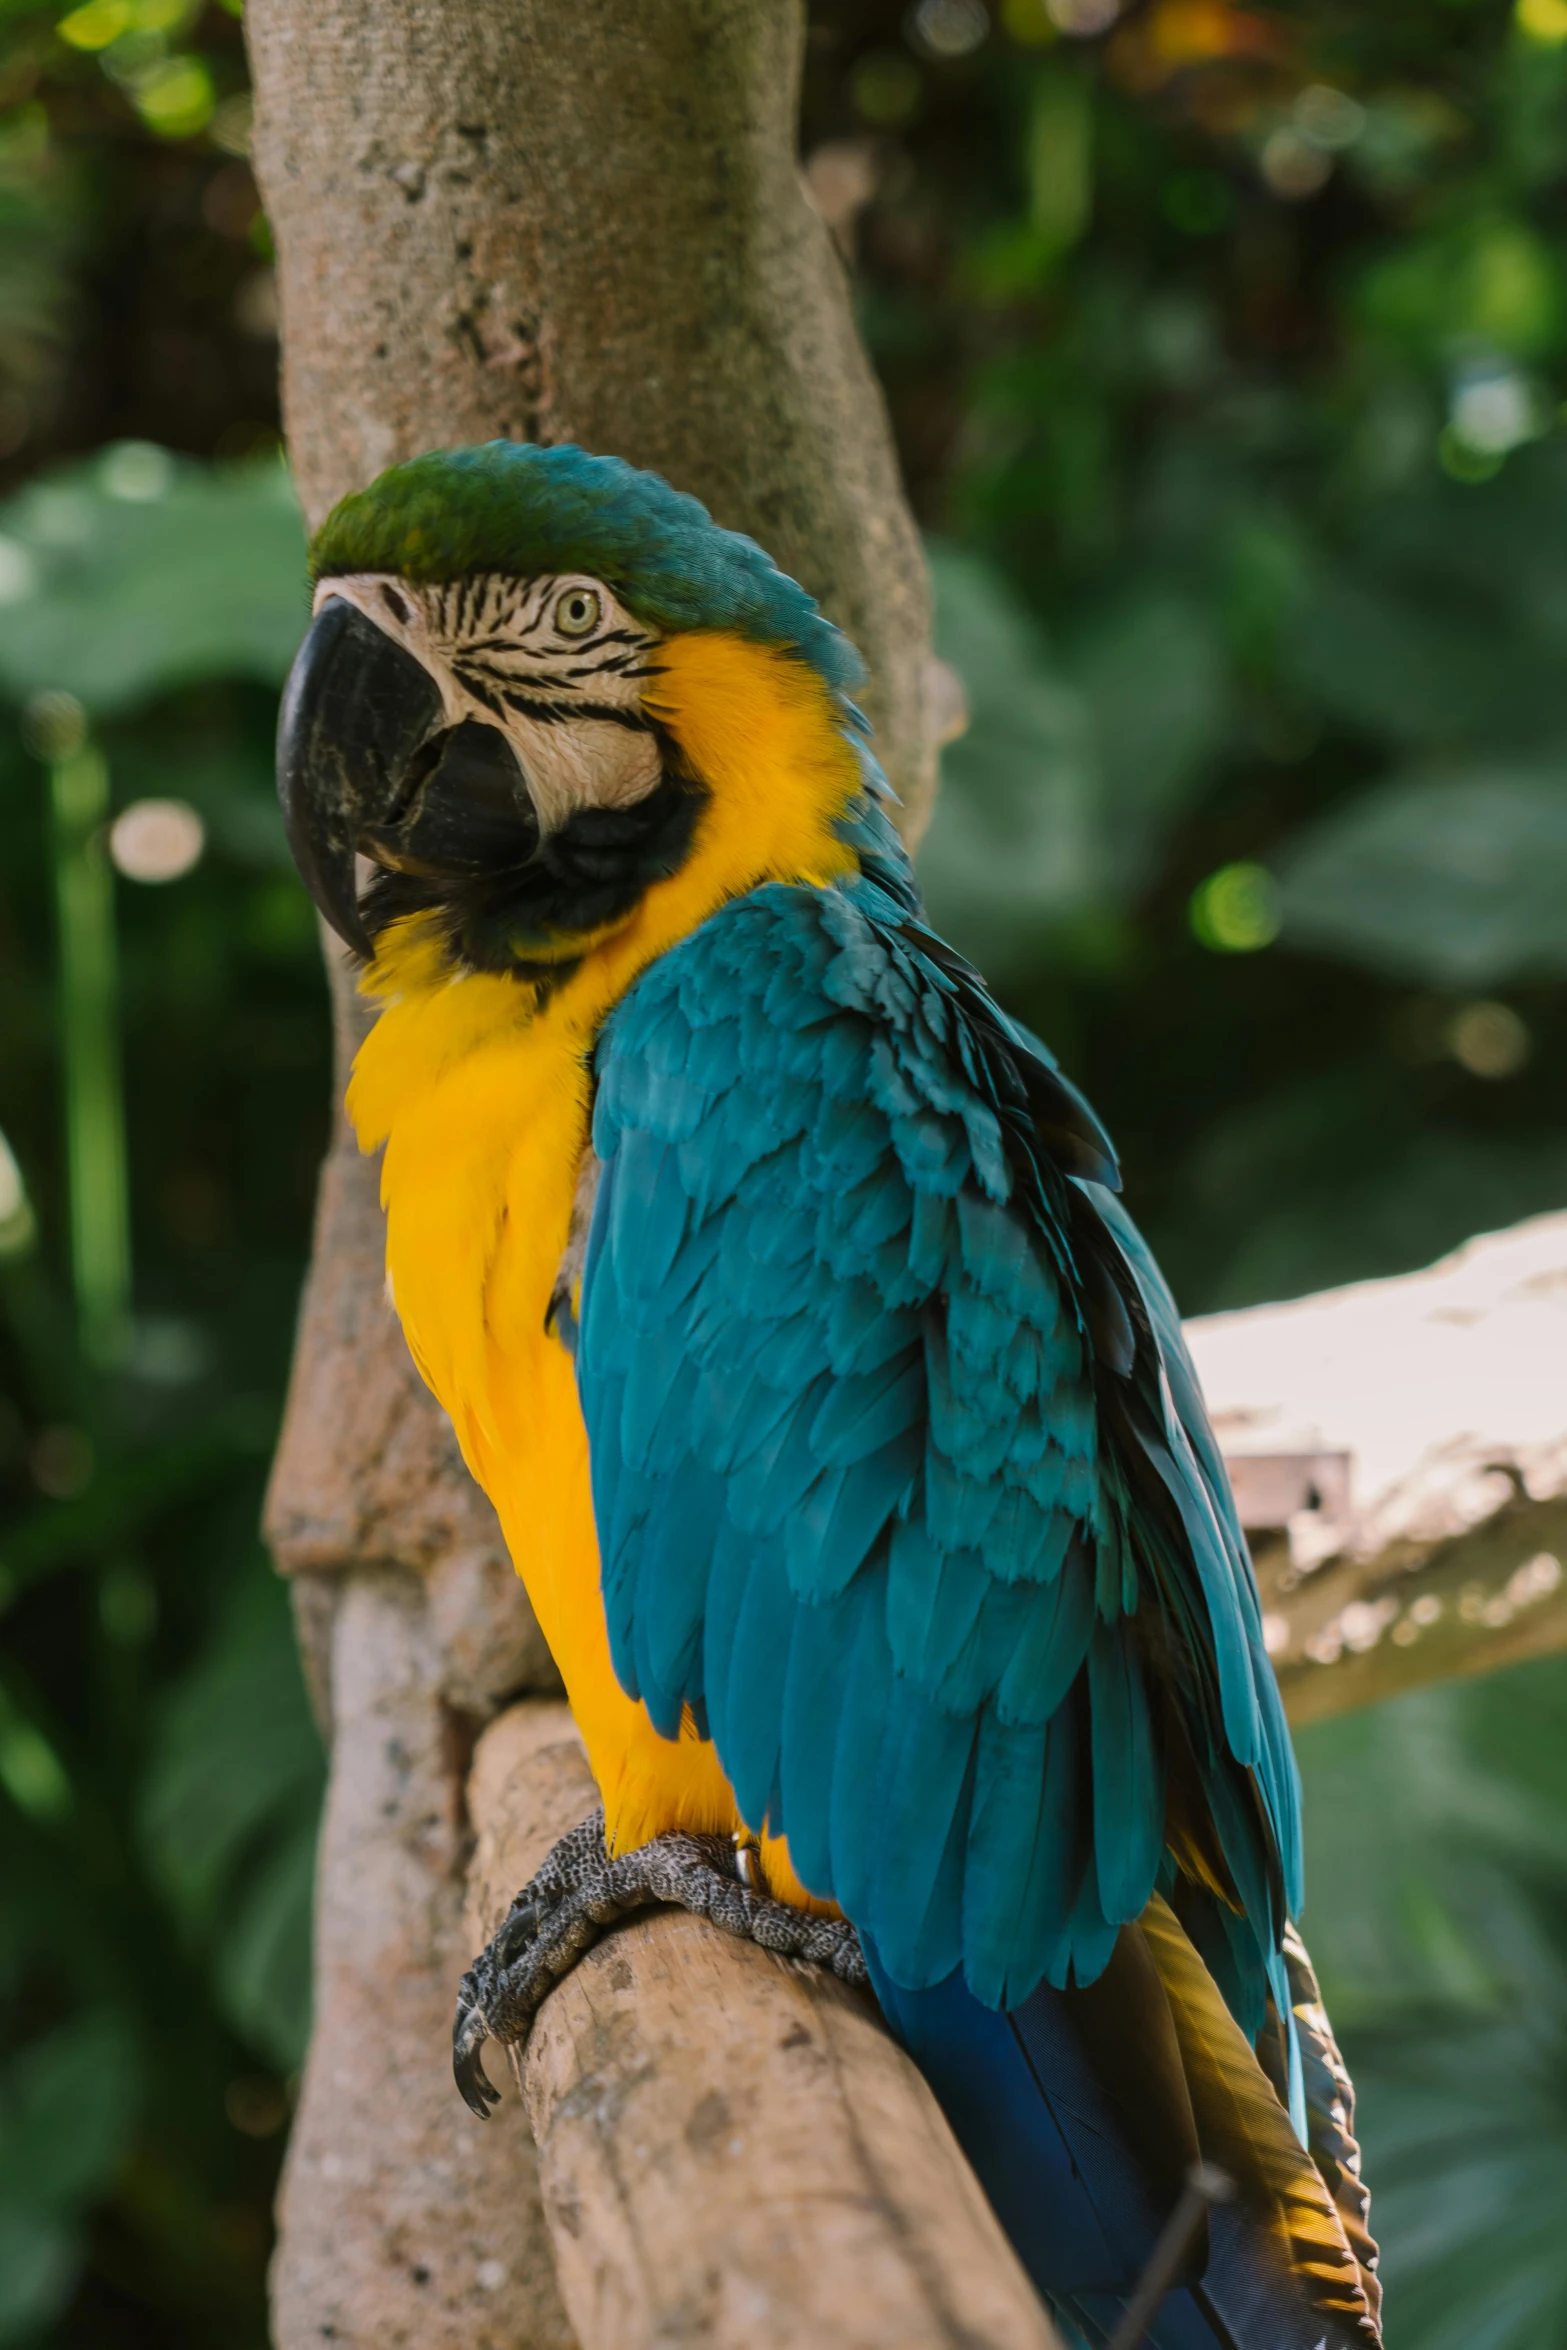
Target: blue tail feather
point(1080, 2111)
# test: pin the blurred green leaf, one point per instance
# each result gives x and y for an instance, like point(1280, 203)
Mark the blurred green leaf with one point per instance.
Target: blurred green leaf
point(1012, 845)
point(1427, 665)
point(1405, 667)
point(138, 572)
point(122, 1498)
point(1404, 1824)
point(262, 1964)
point(1479, 279)
point(1445, 616)
point(1150, 669)
point(39, 2256)
point(67, 2104)
point(237, 1764)
point(1457, 879)
point(1074, 764)
point(1437, 1861)
point(1467, 2125)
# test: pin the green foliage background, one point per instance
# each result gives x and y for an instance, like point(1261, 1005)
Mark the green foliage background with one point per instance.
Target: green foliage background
point(1226, 350)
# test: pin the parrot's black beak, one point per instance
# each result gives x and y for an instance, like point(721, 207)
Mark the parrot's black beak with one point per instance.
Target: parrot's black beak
point(366, 761)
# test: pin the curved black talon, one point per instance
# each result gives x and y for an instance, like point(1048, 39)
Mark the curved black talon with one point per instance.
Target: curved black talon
point(470, 2030)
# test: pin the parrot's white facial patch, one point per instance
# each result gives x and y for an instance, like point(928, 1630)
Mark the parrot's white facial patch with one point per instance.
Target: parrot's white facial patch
point(557, 663)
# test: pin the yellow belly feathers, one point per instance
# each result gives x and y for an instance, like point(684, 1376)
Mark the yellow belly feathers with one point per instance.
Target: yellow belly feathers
point(483, 1106)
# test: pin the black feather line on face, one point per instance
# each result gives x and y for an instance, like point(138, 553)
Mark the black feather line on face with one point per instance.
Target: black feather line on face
point(551, 713)
point(591, 873)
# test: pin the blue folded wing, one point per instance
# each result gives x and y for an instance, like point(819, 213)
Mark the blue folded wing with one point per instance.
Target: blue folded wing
point(902, 1481)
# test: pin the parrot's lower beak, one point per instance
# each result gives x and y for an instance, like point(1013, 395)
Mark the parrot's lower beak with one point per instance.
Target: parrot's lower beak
point(367, 762)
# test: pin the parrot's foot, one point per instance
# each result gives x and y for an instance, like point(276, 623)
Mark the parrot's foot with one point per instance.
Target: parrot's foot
point(580, 1890)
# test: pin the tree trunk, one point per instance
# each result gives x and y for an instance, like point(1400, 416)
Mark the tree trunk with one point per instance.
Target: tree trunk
point(553, 220)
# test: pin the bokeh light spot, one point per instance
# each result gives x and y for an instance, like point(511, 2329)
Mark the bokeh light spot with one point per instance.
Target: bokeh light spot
point(1294, 166)
point(54, 725)
point(62, 1462)
point(157, 840)
point(1236, 910)
point(948, 28)
point(95, 25)
point(886, 89)
point(1029, 23)
point(18, 573)
point(1542, 20)
point(128, 1606)
point(1489, 1040)
point(1083, 18)
point(30, 1771)
point(256, 305)
point(137, 471)
point(1329, 118)
point(256, 2105)
point(230, 124)
point(17, 1227)
point(1462, 461)
point(1493, 409)
point(175, 97)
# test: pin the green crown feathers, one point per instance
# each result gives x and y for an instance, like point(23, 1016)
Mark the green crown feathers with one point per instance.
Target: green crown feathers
point(512, 507)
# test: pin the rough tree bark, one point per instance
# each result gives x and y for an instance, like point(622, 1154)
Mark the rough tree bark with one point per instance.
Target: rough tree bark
point(547, 219)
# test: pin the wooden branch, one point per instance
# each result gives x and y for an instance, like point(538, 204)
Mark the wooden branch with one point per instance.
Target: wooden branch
point(1399, 1451)
point(732, 2149)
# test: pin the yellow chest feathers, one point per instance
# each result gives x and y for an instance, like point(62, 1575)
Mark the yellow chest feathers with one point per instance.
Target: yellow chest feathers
point(483, 1105)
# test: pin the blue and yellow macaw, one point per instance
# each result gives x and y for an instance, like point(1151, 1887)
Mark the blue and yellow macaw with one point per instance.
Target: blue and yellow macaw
point(837, 1416)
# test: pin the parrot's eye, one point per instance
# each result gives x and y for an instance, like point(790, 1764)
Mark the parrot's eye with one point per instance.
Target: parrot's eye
point(578, 611)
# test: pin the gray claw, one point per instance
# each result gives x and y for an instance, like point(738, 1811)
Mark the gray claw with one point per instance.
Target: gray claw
point(469, 2033)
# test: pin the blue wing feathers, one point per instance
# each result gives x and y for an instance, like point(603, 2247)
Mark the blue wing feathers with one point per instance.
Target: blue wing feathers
point(1128, 1827)
point(1052, 1645)
point(758, 1660)
point(1004, 1912)
point(667, 1640)
point(820, 1646)
point(893, 1444)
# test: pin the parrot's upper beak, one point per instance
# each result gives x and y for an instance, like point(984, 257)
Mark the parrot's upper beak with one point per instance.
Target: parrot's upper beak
point(367, 761)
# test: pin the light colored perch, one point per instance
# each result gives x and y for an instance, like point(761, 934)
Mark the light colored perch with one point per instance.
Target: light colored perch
point(733, 2152)
point(1399, 1450)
